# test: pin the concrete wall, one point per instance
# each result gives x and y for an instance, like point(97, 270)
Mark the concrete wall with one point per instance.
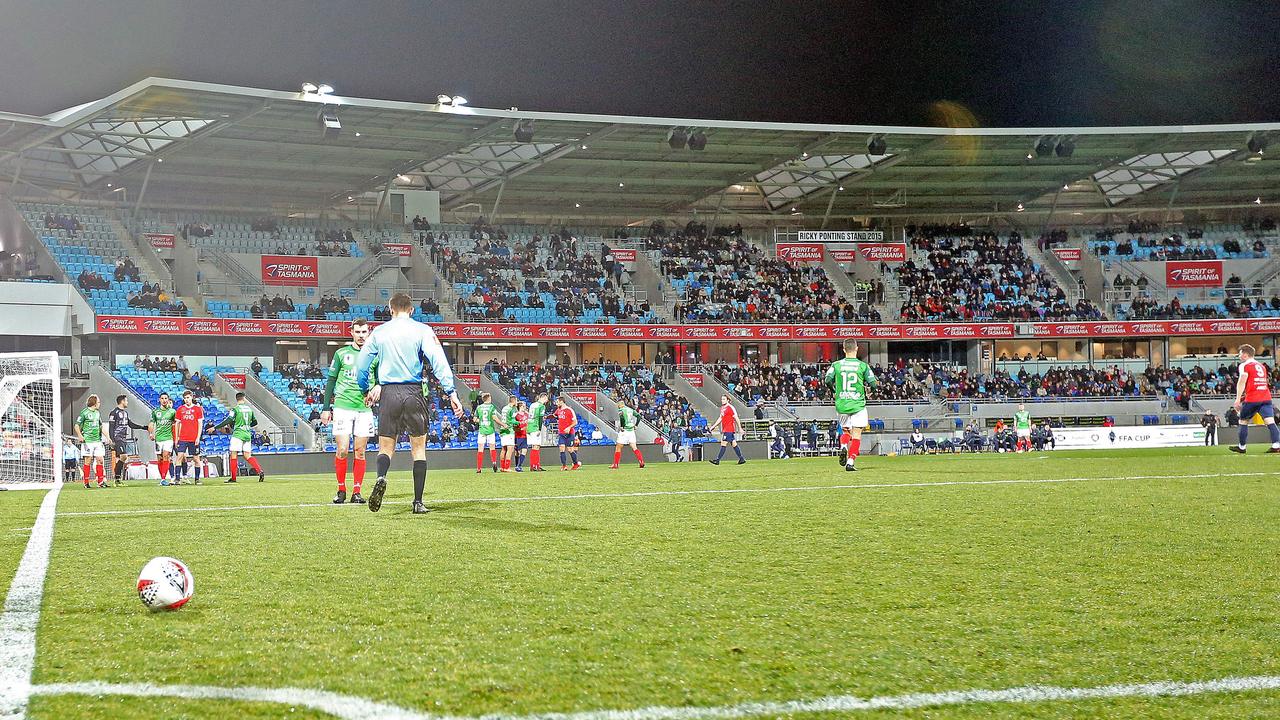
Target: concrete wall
point(42, 309)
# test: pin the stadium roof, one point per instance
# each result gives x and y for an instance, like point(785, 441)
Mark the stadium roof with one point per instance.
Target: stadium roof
point(174, 143)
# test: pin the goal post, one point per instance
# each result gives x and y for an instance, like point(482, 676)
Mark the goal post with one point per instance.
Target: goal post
point(30, 419)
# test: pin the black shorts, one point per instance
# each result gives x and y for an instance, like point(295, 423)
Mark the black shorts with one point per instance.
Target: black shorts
point(120, 447)
point(402, 408)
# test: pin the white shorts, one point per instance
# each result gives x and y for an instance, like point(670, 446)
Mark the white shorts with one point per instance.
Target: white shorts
point(856, 420)
point(626, 437)
point(238, 445)
point(347, 423)
point(485, 440)
point(535, 438)
point(94, 449)
point(1024, 433)
point(508, 440)
point(163, 446)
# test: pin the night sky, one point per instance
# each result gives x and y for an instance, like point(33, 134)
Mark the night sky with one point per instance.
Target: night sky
point(1069, 62)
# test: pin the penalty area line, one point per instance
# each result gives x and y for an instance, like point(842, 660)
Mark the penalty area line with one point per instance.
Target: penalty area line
point(21, 613)
point(349, 707)
point(444, 502)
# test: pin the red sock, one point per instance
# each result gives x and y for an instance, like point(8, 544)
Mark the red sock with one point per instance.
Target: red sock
point(357, 467)
point(493, 455)
point(253, 463)
point(639, 457)
point(479, 459)
point(617, 457)
point(855, 444)
point(535, 457)
point(164, 469)
point(340, 468)
point(235, 465)
point(88, 472)
point(101, 476)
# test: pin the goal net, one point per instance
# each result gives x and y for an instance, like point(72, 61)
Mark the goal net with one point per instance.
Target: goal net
point(30, 418)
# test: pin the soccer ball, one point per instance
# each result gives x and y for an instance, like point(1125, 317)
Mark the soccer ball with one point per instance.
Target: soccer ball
point(165, 584)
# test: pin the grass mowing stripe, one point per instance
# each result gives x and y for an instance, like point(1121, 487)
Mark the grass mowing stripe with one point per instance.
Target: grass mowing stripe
point(661, 493)
point(22, 613)
point(348, 707)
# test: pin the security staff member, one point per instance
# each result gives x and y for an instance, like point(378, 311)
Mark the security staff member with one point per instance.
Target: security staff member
point(402, 346)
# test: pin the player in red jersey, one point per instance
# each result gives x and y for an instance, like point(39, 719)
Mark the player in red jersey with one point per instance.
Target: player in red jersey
point(188, 428)
point(566, 425)
point(1253, 397)
point(728, 424)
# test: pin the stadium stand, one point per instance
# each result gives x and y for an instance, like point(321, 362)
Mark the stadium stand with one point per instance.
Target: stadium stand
point(255, 234)
point(1146, 242)
point(722, 278)
point(95, 260)
point(959, 274)
point(521, 276)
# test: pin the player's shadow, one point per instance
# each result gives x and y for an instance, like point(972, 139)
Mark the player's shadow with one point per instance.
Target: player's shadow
point(449, 515)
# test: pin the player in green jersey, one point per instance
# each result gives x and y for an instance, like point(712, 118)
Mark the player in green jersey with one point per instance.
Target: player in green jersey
point(351, 415)
point(507, 423)
point(242, 420)
point(486, 416)
point(88, 429)
point(1022, 426)
point(537, 414)
point(627, 420)
point(161, 431)
point(850, 379)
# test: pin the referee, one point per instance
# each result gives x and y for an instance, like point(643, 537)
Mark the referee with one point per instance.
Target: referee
point(401, 346)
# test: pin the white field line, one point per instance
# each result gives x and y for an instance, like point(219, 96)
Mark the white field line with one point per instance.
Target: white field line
point(22, 613)
point(661, 493)
point(347, 707)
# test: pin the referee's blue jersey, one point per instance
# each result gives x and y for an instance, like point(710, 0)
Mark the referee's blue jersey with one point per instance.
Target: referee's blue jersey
point(402, 346)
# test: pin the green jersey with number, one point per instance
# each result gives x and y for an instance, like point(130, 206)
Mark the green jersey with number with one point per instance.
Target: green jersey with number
point(346, 392)
point(536, 411)
point(509, 417)
point(90, 424)
point(1022, 420)
point(242, 419)
point(627, 418)
point(162, 418)
point(484, 417)
point(849, 378)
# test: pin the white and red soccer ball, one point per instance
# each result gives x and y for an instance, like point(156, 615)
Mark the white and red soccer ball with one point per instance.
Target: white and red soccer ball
point(165, 584)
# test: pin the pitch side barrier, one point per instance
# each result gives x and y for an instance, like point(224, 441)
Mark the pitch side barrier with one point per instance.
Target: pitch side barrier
point(189, 326)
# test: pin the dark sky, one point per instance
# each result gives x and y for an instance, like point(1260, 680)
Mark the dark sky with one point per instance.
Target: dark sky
point(1067, 62)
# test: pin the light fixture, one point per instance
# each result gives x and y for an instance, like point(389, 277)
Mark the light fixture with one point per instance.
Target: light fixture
point(309, 88)
point(1257, 143)
point(1066, 187)
point(1030, 156)
point(582, 147)
point(1043, 146)
point(1065, 147)
point(443, 99)
point(330, 126)
point(621, 185)
point(459, 101)
point(1257, 200)
point(677, 138)
point(324, 89)
point(577, 205)
point(404, 178)
point(1020, 207)
point(357, 134)
point(876, 145)
point(697, 140)
point(840, 189)
point(109, 185)
point(524, 131)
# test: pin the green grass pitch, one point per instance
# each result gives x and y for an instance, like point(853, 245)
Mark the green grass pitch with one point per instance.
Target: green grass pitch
point(1144, 566)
